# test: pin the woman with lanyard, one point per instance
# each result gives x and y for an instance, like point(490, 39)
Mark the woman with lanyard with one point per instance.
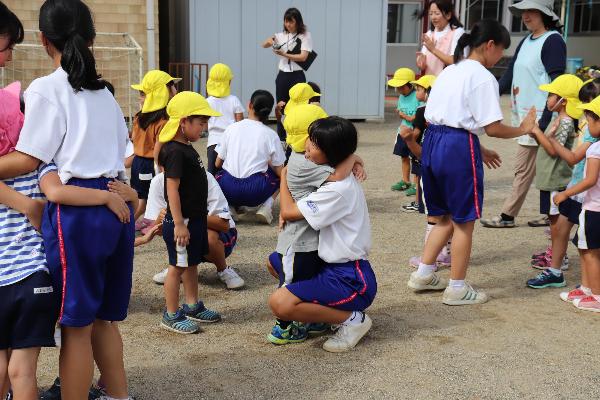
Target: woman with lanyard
point(540, 57)
point(293, 45)
point(440, 41)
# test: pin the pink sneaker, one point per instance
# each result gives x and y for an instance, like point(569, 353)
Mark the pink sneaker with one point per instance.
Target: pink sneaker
point(545, 253)
point(573, 295)
point(587, 303)
point(414, 261)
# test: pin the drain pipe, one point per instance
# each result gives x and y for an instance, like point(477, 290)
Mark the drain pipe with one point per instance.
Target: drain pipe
point(151, 44)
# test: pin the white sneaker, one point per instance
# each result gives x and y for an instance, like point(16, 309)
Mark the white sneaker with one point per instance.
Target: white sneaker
point(231, 278)
point(159, 278)
point(347, 336)
point(463, 296)
point(428, 282)
point(264, 214)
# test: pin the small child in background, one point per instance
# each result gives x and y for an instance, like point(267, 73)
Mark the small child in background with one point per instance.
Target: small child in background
point(553, 173)
point(185, 224)
point(407, 107)
point(316, 100)
point(220, 99)
point(587, 239)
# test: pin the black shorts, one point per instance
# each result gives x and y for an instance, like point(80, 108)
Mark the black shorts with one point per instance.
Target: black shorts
point(547, 207)
point(421, 199)
point(309, 262)
point(196, 249)
point(415, 165)
point(400, 147)
point(142, 172)
point(588, 233)
point(28, 313)
point(570, 209)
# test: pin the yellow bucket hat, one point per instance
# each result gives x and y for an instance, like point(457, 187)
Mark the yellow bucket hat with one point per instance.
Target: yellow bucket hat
point(402, 76)
point(183, 105)
point(154, 86)
point(593, 106)
point(296, 124)
point(426, 81)
point(300, 93)
point(218, 80)
point(567, 86)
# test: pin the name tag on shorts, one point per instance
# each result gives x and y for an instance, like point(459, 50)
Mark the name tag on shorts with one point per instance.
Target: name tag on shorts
point(43, 290)
point(146, 177)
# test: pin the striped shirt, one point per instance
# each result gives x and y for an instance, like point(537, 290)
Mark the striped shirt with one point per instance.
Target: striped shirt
point(21, 246)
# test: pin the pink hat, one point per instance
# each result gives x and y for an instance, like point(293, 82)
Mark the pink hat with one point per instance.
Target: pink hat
point(11, 117)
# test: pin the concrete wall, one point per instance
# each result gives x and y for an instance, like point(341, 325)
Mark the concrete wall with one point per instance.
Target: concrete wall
point(401, 56)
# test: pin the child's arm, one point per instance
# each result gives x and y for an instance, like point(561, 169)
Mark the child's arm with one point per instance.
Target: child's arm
point(592, 170)
point(126, 192)
point(289, 211)
point(216, 223)
point(17, 163)
point(219, 162)
point(32, 209)
point(277, 169)
point(410, 137)
point(499, 130)
point(129, 161)
point(543, 141)
point(490, 158)
point(157, 147)
point(347, 167)
point(182, 234)
point(71, 195)
point(572, 157)
point(409, 118)
point(148, 236)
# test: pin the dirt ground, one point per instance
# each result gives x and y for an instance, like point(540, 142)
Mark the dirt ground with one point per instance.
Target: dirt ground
point(524, 343)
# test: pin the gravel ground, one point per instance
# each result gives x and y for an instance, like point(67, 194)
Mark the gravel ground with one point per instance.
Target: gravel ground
point(524, 343)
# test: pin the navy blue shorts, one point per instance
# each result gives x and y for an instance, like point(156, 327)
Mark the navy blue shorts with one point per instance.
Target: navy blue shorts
point(588, 233)
point(570, 209)
point(300, 267)
point(251, 191)
point(452, 173)
point(90, 257)
point(196, 249)
point(347, 286)
point(415, 166)
point(28, 311)
point(142, 172)
point(400, 147)
point(229, 240)
point(547, 206)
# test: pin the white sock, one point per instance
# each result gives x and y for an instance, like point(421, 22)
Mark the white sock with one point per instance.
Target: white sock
point(456, 283)
point(425, 270)
point(428, 230)
point(268, 203)
point(555, 272)
point(585, 290)
point(356, 318)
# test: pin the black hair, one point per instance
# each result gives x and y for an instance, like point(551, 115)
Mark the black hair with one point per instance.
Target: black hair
point(334, 136)
point(590, 91)
point(592, 114)
point(550, 23)
point(317, 89)
point(293, 14)
point(445, 7)
point(69, 26)
point(110, 87)
point(262, 104)
point(481, 33)
point(10, 26)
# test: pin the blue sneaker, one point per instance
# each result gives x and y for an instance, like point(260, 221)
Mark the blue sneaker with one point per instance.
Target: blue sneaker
point(200, 313)
point(316, 328)
point(179, 323)
point(547, 279)
point(294, 333)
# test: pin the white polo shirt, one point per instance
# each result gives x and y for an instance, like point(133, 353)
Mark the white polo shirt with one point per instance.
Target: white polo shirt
point(83, 133)
point(338, 210)
point(289, 41)
point(248, 147)
point(228, 106)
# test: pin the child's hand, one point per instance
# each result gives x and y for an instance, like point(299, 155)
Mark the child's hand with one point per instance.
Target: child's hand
point(559, 198)
point(182, 234)
point(359, 172)
point(33, 211)
point(529, 122)
point(281, 105)
point(421, 60)
point(161, 216)
point(406, 133)
point(126, 192)
point(535, 131)
point(149, 235)
point(490, 158)
point(117, 205)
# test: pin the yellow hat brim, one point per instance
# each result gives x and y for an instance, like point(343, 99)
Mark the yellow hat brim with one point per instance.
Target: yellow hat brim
point(397, 82)
point(547, 88)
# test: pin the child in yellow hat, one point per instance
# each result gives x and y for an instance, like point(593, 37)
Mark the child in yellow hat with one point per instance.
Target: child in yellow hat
point(220, 98)
point(297, 242)
point(407, 107)
point(185, 224)
point(156, 89)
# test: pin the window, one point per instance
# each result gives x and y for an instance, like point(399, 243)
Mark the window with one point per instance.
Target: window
point(403, 25)
point(517, 25)
point(476, 10)
point(586, 16)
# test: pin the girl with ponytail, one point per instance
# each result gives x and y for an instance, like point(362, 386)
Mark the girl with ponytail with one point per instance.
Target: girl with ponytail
point(463, 104)
point(73, 121)
point(252, 158)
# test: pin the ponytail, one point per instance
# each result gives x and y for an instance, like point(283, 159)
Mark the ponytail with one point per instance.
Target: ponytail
point(68, 25)
point(262, 104)
point(482, 32)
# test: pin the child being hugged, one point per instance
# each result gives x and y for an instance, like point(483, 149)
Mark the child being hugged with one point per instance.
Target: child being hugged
point(407, 107)
point(587, 238)
point(220, 99)
point(156, 89)
point(185, 225)
point(296, 257)
point(463, 104)
point(345, 285)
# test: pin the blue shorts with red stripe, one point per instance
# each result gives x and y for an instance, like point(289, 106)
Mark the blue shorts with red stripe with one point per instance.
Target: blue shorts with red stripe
point(452, 173)
point(90, 257)
point(251, 191)
point(347, 286)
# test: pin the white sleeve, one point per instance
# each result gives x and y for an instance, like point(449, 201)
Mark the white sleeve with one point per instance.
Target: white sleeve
point(307, 43)
point(156, 197)
point(237, 106)
point(484, 103)
point(277, 153)
point(44, 128)
point(458, 32)
point(323, 207)
point(215, 200)
point(221, 148)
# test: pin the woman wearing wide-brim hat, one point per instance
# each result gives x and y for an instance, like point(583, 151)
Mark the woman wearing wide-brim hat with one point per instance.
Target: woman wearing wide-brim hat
point(540, 57)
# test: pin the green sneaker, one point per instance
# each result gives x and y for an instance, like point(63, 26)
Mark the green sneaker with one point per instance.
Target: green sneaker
point(411, 191)
point(400, 186)
point(294, 333)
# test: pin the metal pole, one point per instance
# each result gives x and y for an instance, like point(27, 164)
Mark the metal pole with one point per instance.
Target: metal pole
point(151, 46)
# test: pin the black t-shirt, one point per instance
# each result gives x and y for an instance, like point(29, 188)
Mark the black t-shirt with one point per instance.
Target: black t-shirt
point(182, 161)
point(420, 123)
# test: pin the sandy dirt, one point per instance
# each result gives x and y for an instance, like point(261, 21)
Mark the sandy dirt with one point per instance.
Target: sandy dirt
point(524, 343)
